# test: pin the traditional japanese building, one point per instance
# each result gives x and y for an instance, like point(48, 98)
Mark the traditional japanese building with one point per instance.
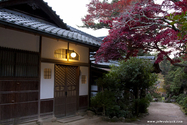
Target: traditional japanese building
point(44, 63)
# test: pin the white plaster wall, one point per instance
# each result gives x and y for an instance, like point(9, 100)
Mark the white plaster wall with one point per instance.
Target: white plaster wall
point(47, 85)
point(19, 40)
point(82, 51)
point(49, 46)
point(83, 88)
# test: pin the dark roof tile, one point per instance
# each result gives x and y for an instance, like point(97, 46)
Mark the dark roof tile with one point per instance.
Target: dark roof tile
point(26, 21)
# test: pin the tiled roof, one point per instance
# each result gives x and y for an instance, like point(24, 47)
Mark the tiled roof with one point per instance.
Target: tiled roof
point(22, 20)
point(83, 33)
point(115, 62)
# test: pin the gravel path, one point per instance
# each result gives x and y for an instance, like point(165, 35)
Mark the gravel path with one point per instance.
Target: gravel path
point(159, 113)
point(164, 114)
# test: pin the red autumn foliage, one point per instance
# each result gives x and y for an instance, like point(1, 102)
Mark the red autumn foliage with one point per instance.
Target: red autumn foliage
point(144, 26)
point(104, 11)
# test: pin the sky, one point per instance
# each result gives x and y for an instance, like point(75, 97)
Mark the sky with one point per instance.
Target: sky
point(71, 11)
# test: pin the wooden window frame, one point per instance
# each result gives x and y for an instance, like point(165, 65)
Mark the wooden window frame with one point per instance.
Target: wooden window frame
point(83, 79)
point(47, 73)
point(62, 54)
point(24, 64)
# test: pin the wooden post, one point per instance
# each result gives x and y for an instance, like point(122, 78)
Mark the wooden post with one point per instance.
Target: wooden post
point(40, 51)
point(68, 52)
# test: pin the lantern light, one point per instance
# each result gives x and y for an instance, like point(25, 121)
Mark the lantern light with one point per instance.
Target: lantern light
point(73, 54)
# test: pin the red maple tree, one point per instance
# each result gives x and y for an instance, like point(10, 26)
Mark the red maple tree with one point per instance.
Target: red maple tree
point(104, 11)
point(146, 26)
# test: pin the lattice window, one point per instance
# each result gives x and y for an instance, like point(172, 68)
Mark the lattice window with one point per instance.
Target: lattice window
point(47, 73)
point(83, 79)
point(18, 63)
point(60, 53)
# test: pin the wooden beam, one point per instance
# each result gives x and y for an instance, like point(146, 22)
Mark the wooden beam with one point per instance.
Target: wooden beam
point(64, 62)
point(13, 2)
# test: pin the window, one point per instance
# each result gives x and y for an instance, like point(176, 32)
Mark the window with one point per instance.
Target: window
point(62, 53)
point(83, 79)
point(18, 63)
point(47, 73)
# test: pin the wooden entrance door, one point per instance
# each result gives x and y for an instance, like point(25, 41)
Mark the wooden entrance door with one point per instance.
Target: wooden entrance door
point(66, 90)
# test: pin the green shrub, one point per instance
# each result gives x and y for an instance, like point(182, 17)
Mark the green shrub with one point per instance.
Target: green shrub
point(102, 101)
point(180, 99)
point(106, 103)
point(185, 102)
point(115, 110)
point(174, 97)
point(149, 97)
point(143, 104)
point(120, 95)
point(185, 105)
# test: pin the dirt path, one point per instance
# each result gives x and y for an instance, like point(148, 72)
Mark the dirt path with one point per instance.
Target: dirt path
point(163, 114)
point(159, 113)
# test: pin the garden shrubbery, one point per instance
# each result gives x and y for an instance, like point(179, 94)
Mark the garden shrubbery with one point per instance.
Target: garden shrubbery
point(175, 83)
point(124, 89)
point(181, 100)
